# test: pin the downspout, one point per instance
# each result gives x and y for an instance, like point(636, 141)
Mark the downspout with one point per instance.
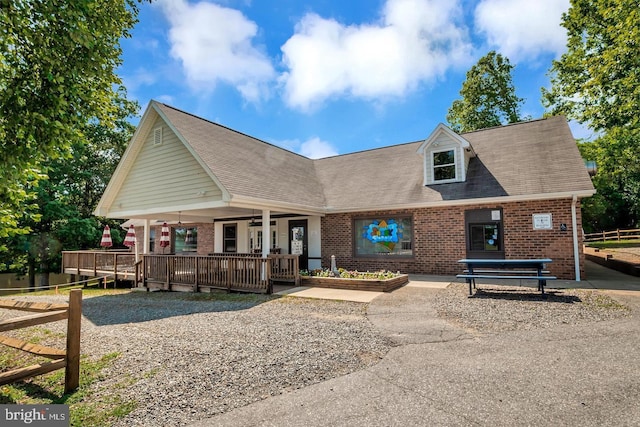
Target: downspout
point(574, 227)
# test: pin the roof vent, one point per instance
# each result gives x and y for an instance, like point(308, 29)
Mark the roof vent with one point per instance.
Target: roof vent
point(157, 136)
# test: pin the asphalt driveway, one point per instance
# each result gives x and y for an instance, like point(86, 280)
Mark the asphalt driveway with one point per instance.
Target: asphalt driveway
point(442, 374)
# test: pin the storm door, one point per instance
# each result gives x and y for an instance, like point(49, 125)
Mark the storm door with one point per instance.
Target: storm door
point(298, 241)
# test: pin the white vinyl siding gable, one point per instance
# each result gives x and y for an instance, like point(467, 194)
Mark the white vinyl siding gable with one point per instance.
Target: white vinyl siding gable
point(428, 162)
point(443, 140)
point(165, 173)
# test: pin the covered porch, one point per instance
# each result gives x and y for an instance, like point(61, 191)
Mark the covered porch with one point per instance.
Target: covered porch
point(186, 273)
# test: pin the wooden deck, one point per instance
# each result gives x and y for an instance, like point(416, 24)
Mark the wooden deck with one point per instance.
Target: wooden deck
point(190, 273)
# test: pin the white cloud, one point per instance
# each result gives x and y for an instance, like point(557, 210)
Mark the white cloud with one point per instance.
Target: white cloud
point(415, 41)
point(523, 29)
point(313, 148)
point(214, 44)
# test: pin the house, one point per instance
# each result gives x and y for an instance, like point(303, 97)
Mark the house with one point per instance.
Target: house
point(506, 192)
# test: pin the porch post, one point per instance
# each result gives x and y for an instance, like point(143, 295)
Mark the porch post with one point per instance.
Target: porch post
point(266, 241)
point(145, 244)
point(266, 232)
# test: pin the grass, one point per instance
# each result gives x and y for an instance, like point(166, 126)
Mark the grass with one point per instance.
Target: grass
point(615, 244)
point(88, 406)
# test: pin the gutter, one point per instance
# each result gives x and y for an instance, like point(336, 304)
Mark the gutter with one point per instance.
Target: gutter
point(574, 227)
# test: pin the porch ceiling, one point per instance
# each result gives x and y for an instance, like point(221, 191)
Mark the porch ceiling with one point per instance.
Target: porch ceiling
point(202, 215)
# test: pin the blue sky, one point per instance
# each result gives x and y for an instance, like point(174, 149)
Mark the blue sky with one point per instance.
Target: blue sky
point(328, 77)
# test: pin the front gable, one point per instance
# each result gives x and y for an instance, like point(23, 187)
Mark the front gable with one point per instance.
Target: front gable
point(446, 156)
point(157, 173)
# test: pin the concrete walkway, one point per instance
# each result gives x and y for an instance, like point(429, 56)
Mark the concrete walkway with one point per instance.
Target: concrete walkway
point(597, 277)
point(439, 374)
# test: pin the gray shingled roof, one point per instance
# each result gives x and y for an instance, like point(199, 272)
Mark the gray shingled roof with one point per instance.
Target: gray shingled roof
point(529, 158)
point(247, 166)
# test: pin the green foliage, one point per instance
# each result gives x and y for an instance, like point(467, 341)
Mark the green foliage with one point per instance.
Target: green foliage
point(617, 201)
point(57, 62)
point(67, 197)
point(350, 274)
point(597, 83)
point(488, 96)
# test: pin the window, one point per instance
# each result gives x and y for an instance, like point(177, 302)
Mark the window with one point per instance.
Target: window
point(230, 238)
point(390, 236)
point(444, 165)
point(186, 240)
point(152, 240)
point(255, 236)
point(484, 237)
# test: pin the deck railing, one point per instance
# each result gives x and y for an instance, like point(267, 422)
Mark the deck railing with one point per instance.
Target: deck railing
point(232, 272)
point(99, 263)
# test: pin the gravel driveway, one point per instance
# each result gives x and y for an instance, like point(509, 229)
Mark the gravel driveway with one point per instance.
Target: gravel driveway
point(185, 358)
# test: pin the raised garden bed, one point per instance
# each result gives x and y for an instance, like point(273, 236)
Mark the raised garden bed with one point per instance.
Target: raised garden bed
point(379, 285)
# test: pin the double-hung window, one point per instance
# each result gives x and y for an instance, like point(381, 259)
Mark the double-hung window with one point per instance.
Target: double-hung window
point(444, 166)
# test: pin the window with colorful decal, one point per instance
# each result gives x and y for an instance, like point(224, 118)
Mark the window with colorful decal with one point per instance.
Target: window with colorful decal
point(383, 236)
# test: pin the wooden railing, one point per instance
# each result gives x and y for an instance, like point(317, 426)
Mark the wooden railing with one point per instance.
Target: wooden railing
point(285, 268)
point(68, 359)
point(233, 272)
point(631, 234)
point(100, 263)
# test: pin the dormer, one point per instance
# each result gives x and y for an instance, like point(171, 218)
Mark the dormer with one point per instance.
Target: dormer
point(446, 156)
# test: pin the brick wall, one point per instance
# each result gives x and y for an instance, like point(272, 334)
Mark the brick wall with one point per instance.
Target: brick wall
point(205, 238)
point(439, 239)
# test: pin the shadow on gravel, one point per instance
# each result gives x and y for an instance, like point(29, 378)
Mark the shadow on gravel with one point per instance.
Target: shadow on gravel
point(525, 295)
point(145, 306)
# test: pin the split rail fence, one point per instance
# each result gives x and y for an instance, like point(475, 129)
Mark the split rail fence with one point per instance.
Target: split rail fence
point(69, 358)
point(617, 235)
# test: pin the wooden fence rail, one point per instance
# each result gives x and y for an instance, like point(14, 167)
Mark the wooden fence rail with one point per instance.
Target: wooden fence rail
point(68, 359)
point(630, 234)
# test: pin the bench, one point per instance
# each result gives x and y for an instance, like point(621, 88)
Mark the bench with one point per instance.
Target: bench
point(522, 269)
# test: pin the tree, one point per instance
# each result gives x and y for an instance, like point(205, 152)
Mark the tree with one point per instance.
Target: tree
point(57, 62)
point(68, 195)
point(597, 83)
point(488, 96)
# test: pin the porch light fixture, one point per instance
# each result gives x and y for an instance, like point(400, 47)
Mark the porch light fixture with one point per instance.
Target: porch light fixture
point(179, 213)
point(252, 223)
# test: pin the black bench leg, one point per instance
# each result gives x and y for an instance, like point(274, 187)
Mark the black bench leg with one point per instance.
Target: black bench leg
point(469, 282)
point(541, 285)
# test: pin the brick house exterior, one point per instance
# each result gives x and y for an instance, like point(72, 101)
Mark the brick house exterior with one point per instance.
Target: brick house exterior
point(507, 192)
point(439, 238)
